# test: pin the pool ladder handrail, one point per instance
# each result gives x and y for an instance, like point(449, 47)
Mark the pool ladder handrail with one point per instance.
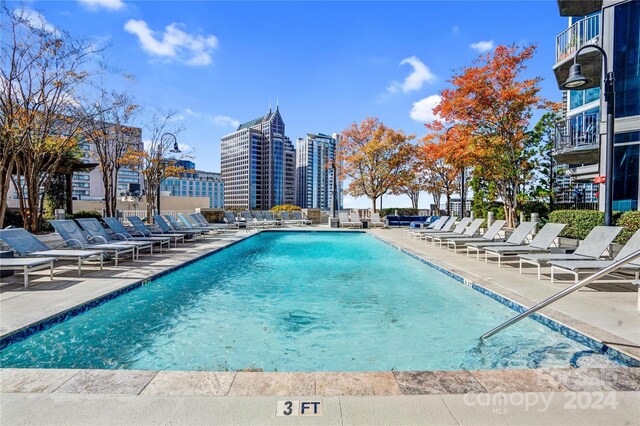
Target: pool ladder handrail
point(611, 268)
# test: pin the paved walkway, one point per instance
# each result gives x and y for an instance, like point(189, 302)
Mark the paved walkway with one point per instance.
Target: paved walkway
point(604, 311)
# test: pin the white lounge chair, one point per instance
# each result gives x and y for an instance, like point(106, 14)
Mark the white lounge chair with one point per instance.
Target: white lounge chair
point(376, 222)
point(26, 265)
point(354, 217)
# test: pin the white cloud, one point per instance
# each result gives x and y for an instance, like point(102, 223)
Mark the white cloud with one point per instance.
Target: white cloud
point(482, 46)
point(414, 81)
point(189, 111)
point(455, 29)
point(225, 120)
point(173, 43)
point(110, 5)
point(184, 147)
point(422, 110)
point(35, 20)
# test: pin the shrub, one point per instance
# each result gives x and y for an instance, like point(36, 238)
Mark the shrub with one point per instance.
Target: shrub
point(579, 222)
point(87, 214)
point(286, 208)
point(630, 221)
point(402, 211)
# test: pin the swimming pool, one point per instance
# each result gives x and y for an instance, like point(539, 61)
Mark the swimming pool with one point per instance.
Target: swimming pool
point(298, 301)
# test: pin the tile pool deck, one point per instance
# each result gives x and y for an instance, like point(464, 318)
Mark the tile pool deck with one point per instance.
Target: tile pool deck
point(456, 397)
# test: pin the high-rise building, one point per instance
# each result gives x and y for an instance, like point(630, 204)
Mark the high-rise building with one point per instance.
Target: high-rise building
point(258, 164)
point(314, 173)
point(614, 26)
point(196, 183)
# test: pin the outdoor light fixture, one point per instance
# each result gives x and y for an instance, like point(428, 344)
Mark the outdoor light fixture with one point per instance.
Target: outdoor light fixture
point(175, 150)
point(577, 80)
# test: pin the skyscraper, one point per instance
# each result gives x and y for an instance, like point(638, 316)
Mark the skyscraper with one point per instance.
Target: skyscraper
point(258, 164)
point(314, 174)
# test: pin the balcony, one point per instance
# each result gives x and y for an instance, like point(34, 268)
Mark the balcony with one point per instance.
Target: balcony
point(583, 32)
point(577, 139)
point(578, 7)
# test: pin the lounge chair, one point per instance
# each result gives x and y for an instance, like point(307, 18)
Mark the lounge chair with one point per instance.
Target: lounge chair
point(591, 248)
point(436, 224)
point(165, 227)
point(539, 244)
point(73, 236)
point(231, 221)
point(288, 220)
point(517, 238)
point(469, 232)
point(298, 216)
point(354, 218)
point(577, 266)
point(26, 244)
point(251, 221)
point(268, 216)
point(457, 231)
point(178, 227)
point(260, 218)
point(120, 231)
point(489, 236)
point(447, 227)
point(376, 222)
point(139, 226)
point(199, 220)
point(345, 222)
point(97, 233)
point(26, 265)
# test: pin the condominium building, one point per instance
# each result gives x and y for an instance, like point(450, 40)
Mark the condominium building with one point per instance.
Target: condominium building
point(88, 185)
point(315, 174)
point(196, 183)
point(580, 145)
point(258, 164)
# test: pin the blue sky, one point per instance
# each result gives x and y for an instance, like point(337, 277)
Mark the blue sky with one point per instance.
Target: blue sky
point(327, 63)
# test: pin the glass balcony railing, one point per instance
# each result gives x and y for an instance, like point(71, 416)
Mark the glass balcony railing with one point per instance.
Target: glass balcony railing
point(585, 31)
point(580, 131)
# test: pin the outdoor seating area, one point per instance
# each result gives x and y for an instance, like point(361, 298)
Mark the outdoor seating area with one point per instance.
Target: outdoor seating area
point(527, 245)
point(90, 239)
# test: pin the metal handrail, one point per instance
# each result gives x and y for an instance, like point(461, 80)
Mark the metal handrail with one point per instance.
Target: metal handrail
point(611, 268)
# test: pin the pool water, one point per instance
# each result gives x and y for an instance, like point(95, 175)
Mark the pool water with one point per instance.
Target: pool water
point(298, 301)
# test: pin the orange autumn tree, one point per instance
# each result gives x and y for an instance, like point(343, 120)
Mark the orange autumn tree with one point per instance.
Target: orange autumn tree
point(412, 179)
point(372, 157)
point(491, 105)
point(441, 176)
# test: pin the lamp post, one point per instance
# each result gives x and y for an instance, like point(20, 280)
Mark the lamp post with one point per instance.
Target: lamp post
point(462, 178)
point(175, 150)
point(334, 190)
point(577, 80)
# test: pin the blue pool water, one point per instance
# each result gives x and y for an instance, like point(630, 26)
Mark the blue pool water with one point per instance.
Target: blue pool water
point(292, 301)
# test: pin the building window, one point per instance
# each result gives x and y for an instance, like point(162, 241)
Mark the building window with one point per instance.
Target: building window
point(625, 177)
point(626, 57)
point(579, 98)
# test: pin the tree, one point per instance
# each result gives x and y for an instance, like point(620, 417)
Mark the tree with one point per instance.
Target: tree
point(412, 179)
point(41, 69)
point(154, 161)
point(106, 124)
point(442, 176)
point(543, 138)
point(372, 156)
point(491, 105)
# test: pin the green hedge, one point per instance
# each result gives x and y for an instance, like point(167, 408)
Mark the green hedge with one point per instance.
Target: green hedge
point(630, 221)
point(87, 214)
point(579, 222)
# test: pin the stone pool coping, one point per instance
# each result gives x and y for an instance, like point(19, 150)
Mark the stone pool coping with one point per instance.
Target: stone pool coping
point(246, 383)
point(243, 383)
